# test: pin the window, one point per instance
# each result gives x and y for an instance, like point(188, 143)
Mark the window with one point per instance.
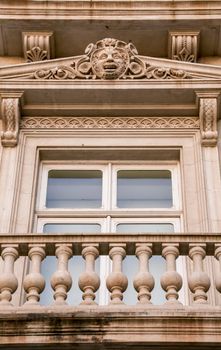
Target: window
point(74, 189)
point(144, 189)
point(110, 197)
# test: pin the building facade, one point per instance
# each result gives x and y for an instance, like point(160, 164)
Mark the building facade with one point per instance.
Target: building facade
point(110, 185)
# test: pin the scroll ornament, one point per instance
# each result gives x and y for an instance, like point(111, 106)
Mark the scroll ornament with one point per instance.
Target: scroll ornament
point(10, 120)
point(208, 118)
point(110, 59)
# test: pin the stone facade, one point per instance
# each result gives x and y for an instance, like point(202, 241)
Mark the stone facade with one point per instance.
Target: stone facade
point(110, 90)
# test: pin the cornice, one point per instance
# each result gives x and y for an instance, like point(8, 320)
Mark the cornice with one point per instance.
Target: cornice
point(110, 9)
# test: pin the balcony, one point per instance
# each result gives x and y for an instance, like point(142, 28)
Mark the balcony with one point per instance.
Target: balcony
point(115, 325)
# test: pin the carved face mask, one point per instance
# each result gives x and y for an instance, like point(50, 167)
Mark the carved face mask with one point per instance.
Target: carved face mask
point(109, 62)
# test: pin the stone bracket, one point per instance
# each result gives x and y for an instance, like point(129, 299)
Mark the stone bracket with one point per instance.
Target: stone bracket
point(10, 112)
point(208, 114)
point(38, 46)
point(183, 46)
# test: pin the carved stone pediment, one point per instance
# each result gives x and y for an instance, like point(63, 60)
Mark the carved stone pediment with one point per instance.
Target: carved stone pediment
point(109, 59)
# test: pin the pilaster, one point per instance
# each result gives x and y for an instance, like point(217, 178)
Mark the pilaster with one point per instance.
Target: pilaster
point(208, 113)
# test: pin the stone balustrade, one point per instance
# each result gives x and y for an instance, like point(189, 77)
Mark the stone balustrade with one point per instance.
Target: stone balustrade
point(90, 246)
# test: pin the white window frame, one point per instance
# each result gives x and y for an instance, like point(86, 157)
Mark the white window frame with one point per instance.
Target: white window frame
point(109, 184)
point(41, 201)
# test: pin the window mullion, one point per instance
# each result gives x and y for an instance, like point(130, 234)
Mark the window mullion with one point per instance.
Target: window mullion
point(109, 186)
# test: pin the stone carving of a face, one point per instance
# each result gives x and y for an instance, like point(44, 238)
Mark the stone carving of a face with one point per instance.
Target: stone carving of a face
point(111, 60)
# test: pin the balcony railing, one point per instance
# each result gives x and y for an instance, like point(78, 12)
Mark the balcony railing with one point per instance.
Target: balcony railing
point(117, 246)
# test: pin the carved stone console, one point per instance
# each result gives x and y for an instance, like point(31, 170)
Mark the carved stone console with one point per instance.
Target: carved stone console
point(37, 46)
point(10, 112)
point(183, 46)
point(208, 113)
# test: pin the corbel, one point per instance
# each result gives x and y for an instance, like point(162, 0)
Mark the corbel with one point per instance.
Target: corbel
point(38, 46)
point(208, 114)
point(10, 112)
point(183, 46)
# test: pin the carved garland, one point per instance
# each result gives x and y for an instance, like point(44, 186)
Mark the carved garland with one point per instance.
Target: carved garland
point(109, 122)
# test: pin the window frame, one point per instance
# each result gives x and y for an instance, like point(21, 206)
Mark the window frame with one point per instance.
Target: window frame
point(109, 171)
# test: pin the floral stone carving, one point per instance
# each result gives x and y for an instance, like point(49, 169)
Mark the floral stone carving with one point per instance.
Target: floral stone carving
point(110, 59)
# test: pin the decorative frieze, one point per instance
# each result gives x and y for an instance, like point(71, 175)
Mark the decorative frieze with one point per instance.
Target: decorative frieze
point(109, 122)
point(183, 46)
point(208, 112)
point(10, 112)
point(37, 46)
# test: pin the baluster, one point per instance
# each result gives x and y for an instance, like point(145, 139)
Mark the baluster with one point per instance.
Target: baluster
point(89, 281)
point(144, 281)
point(218, 277)
point(61, 280)
point(171, 281)
point(199, 281)
point(8, 280)
point(117, 282)
point(34, 282)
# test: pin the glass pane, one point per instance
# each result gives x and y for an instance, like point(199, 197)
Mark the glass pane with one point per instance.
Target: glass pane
point(72, 228)
point(144, 189)
point(76, 264)
point(145, 228)
point(157, 264)
point(74, 189)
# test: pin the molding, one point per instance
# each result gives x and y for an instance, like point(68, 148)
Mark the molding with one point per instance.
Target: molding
point(183, 46)
point(208, 114)
point(37, 46)
point(109, 122)
point(112, 9)
point(10, 112)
